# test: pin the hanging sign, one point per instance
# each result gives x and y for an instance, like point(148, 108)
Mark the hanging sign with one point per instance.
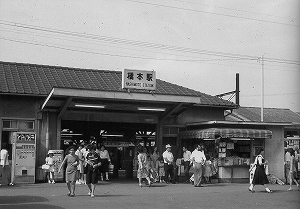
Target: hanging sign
point(138, 79)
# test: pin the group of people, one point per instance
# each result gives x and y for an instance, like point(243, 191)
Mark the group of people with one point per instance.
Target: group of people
point(154, 167)
point(84, 163)
point(82, 167)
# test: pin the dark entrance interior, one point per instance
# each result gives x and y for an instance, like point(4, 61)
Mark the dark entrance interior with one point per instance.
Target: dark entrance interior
point(120, 139)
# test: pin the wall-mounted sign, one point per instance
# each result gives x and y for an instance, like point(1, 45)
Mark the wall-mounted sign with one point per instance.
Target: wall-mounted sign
point(138, 79)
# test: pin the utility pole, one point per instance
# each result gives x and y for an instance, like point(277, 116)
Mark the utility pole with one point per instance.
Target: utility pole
point(262, 90)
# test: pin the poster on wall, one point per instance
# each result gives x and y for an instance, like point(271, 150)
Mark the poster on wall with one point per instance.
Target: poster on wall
point(58, 157)
point(23, 157)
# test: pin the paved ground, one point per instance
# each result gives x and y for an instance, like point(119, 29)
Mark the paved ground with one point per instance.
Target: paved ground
point(120, 194)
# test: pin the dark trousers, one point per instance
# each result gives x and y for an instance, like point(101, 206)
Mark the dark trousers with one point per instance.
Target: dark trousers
point(187, 167)
point(169, 171)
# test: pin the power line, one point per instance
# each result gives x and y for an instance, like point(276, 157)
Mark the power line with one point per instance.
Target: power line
point(213, 13)
point(105, 54)
point(238, 10)
point(114, 41)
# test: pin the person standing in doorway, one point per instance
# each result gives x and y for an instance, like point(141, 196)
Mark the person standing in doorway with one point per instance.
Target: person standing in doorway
point(198, 159)
point(105, 162)
point(168, 164)
point(260, 176)
point(4, 163)
point(72, 162)
point(186, 160)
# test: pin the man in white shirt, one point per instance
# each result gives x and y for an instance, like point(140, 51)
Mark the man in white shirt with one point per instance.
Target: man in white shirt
point(4, 164)
point(186, 163)
point(198, 159)
point(168, 164)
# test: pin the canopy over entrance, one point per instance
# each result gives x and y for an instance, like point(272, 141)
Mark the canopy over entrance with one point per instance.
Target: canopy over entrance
point(212, 133)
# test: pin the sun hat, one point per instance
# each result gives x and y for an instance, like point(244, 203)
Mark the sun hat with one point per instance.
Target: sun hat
point(168, 146)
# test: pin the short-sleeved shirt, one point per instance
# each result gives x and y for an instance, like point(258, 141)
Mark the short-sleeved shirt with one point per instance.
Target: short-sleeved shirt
point(198, 156)
point(93, 158)
point(187, 156)
point(169, 156)
point(4, 157)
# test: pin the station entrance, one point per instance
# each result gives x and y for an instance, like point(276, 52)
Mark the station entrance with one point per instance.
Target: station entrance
point(120, 140)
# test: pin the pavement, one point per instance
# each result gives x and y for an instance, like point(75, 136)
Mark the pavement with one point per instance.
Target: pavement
point(127, 194)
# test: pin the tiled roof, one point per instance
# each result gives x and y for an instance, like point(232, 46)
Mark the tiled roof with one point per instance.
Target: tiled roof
point(271, 115)
point(32, 79)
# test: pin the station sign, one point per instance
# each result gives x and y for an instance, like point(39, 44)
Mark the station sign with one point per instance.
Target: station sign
point(138, 79)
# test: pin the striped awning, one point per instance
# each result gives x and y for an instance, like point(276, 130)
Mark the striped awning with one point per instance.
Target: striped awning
point(213, 133)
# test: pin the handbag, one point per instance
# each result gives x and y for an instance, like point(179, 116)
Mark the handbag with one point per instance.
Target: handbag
point(45, 167)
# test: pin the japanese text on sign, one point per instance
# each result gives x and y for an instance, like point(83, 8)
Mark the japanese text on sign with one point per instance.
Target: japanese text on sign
point(138, 79)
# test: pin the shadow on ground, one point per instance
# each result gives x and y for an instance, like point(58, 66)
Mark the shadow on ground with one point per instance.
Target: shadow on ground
point(24, 202)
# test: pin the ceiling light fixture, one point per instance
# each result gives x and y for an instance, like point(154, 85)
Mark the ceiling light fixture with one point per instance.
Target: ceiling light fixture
point(112, 135)
point(90, 106)
point(152, 109)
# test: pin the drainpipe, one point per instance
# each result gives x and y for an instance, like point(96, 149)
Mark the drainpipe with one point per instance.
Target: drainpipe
point(47, 132)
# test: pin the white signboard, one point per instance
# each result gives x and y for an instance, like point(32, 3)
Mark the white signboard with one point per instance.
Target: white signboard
point(138, 79)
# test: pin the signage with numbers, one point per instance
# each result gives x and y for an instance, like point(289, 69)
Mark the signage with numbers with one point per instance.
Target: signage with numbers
point(23, 157)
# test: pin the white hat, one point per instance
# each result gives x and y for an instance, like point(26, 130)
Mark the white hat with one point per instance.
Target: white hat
point(168, 146)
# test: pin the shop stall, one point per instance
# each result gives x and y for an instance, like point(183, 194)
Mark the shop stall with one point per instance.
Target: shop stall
point(234, 149)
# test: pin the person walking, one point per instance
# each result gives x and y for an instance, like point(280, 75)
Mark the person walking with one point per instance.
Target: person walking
point(50, 172)
point(143, 171)
point(260, 176)
point(292, 171)
point(105, 162)
point(72, 162)
point(80, 170)
point(168, 164)
point(93, 162)
point(154, 156)
point(186, 160)
point(198, 159)
point(287, 163)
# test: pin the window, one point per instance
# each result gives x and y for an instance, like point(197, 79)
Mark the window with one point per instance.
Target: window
point(26, 125)
point(10, 124)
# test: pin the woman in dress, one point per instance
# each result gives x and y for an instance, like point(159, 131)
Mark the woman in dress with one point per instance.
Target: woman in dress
point(80, 165)
point(50, 172)
point(72, 161)
point(292, 171)
point(105, 162)
point(154, 157)
point(143, 171)
point(93, 162)
point(260, 176)
point(207, 169)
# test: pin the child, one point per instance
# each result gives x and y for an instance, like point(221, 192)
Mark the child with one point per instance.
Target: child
point(161, 170)
point(207, 169)
point(49, 161)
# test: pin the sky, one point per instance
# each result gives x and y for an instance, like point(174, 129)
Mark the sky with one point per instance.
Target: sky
point(198, 44)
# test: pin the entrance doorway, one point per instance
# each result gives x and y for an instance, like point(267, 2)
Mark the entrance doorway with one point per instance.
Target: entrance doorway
point(120, 140)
